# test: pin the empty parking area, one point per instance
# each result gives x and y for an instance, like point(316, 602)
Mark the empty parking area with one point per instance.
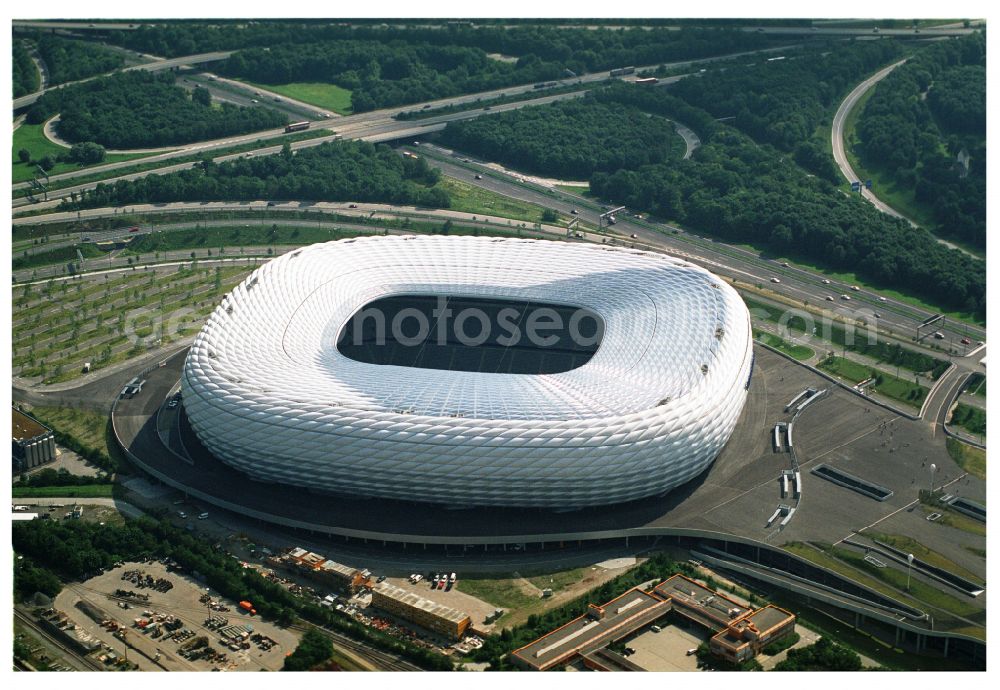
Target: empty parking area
point(667, 650)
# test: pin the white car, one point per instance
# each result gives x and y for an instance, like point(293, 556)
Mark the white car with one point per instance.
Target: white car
point(882, 299)
point(775, 280)
point(845, 297)
point(829, 299)
point(826, 281)
point(856, 288)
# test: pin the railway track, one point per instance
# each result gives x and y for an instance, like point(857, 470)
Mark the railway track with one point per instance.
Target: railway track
point(90, 664)
point(384, 661)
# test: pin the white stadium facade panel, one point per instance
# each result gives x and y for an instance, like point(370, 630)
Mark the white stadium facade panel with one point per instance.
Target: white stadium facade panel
point(267, 390)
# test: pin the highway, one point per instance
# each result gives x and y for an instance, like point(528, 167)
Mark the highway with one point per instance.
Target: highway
point(840, 151)
point(744, 265)
point(385, 116)
point(837, 138)
point(155, 66)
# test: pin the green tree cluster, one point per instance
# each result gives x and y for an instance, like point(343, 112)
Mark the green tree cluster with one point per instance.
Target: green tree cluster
point(569, 139)
point(783, 100)
point(71, 60)
point(26, 77)
point(392, 65)
point(313, 649)
point(919, 120)
point(144, 109)
point(824, 655)
point(60, 477)
point(345, 170)
point(742, 191)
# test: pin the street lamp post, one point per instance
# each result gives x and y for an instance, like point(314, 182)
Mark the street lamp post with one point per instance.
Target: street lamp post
point(909, 565)
point(933, 470)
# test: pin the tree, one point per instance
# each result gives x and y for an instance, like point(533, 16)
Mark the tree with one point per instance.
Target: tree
point(47, 163)
point(86, 153)
point(24, 155)
point(824, 655)
point(202, 97)
point(314, 648)
point(549, 216)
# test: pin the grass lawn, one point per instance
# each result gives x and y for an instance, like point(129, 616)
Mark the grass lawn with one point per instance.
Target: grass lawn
point(583, 191)
point(890, 386)
point(85, 491)
point(846, 369)
point(32, 137)
point(911, 545)
point(471, 199)
point(919, 590)
point(324, 96)
point(951, 518)
point(969, 458)
point(972, 419)
point(503, 593)
point(558, 581)
point(799, 352)
point(86, 426)
point(887, 581)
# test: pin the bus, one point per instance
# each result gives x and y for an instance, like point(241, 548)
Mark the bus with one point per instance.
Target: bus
point(297, 126)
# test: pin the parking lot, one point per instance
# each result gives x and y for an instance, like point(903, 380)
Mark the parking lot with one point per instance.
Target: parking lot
point(167, 622)
point(667, 650)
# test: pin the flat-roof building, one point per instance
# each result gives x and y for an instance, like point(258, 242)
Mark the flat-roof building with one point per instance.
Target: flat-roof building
point(599, 627)
point(323, 570)
point(33, 443)
point(745, 638)
point(700, 604)
point(443, 620)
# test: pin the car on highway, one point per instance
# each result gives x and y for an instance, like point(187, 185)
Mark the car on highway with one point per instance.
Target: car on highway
point(846, 298)
point(254, 100)
point(352, 206)
point(966, 341)
point(939, 336)
point(826, 281)
point(829, 299)
point(271, 203)
point(882, 299)
point(203, 516)
point(785, 264)
point(574, 212)
point(277, 100)
point(181, 514)
point(633, 236)
point(172, 404)
point(856, 288)
point(479, 177)
point(775, 280)
point(877, 315)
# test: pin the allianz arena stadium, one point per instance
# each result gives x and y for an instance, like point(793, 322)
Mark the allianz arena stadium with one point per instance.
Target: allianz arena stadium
point(472, 371)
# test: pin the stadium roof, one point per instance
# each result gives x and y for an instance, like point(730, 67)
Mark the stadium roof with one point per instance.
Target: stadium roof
point(273, 339)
